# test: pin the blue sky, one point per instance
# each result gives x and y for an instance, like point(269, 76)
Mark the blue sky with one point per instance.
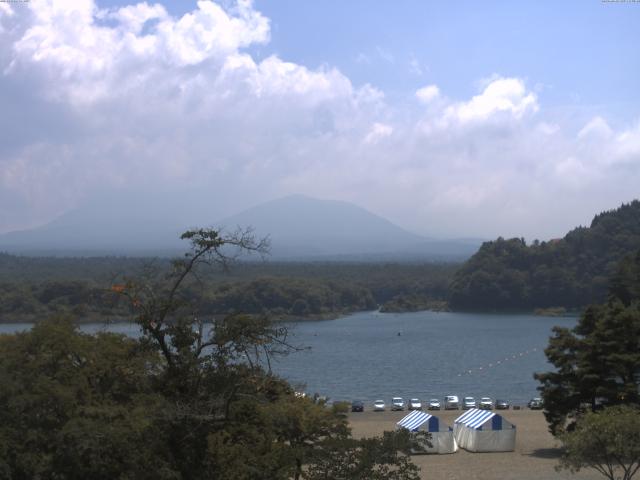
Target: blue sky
point(580, 54)
point(448, 118)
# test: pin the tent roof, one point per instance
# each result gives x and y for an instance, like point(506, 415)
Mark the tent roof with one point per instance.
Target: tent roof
point(475, 418)
point(414, 420)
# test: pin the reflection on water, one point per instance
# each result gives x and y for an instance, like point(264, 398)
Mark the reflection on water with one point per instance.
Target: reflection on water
point(425, 354)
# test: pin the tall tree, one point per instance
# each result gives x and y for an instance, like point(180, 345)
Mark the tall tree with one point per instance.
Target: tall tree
point(598, 361)
point(187, 400)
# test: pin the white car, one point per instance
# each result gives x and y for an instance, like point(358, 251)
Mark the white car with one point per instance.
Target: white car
point(468, 402)
point(415, 404)
point(378, 406)
point(434, 404)
point(486, 403)
point(451, 402)
point(397, 403)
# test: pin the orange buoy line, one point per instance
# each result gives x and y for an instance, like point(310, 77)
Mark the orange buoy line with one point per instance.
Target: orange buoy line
point(497, 363)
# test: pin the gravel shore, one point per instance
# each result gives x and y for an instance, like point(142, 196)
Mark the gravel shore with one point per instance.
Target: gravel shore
point(535, 456)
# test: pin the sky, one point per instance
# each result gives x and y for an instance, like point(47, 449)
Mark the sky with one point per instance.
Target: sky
point(451, 119)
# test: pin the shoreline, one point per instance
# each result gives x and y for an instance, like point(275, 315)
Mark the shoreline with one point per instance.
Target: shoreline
point(31, 319)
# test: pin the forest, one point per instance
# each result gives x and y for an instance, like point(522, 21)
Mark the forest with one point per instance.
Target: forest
point(32, 288)
point(571, 272)
point(504, 275)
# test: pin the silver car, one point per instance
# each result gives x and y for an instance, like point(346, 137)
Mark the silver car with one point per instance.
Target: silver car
point(397, 403)
point(451, 402)
point(434, 404)
point(468, 402)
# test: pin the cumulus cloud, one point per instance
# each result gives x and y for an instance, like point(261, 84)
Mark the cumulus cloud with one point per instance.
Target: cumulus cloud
point(136, 98)
point(596, 128)
point(428, 93)
point(502, 95)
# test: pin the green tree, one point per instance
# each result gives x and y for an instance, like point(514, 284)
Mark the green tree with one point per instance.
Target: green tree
point(379, 458)
point(78, 406)
point(598, 361)
point(187, 400)
point(607, 441)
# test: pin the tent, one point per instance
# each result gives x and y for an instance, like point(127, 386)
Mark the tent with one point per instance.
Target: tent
point(442, 440)
point(484, 431)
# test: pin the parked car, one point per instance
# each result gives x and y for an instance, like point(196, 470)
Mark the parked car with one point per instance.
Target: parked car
point(397, 403)
point(378, 406)
point(468, 402)
point(502, 405)
point(357, 406)
point(415, 404)
point(485, 403)
point(535, 403)
point(451, 402)
point(434, 404)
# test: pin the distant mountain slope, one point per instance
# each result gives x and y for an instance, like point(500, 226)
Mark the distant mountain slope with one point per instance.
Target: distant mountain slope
point(300, 228)
point(570, 272)
point(115, 223)
point(303, 227)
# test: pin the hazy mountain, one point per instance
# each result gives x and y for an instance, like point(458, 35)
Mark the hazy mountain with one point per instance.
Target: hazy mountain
point(110, 223)
point(299, 227)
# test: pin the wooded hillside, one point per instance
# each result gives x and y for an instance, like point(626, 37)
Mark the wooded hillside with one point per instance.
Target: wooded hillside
point(571, 272)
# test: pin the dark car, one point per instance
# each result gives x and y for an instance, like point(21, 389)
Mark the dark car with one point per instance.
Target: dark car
point(357, 406)
point(535, 403)
point(502, 405)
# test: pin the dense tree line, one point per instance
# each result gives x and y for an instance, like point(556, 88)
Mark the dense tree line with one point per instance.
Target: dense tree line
point(571, 272)
point(32, 288)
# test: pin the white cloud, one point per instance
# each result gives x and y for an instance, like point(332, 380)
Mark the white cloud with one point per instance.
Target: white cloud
point(428, 93)
point(378, 132)
point(501, 95)
point(597, 128)
point(548, 128)
point(5, 10)
point(574, 173)
point(626, 146)
point(134, 97)
point(133, 18)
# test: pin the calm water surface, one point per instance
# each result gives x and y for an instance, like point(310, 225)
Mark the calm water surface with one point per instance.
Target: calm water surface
point(436, 354)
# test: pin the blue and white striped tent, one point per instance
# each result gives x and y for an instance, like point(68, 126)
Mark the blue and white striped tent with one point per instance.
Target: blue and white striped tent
point(484, 431)
point(441, 440)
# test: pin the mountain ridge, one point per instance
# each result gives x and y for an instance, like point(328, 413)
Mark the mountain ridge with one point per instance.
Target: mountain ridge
point(300, 228)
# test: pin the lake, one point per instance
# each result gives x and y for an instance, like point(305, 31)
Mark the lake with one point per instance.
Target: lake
point(436, 354)
point(372, 355)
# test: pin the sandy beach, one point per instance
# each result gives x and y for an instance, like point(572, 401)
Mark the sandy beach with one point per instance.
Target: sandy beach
point(535, 456)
